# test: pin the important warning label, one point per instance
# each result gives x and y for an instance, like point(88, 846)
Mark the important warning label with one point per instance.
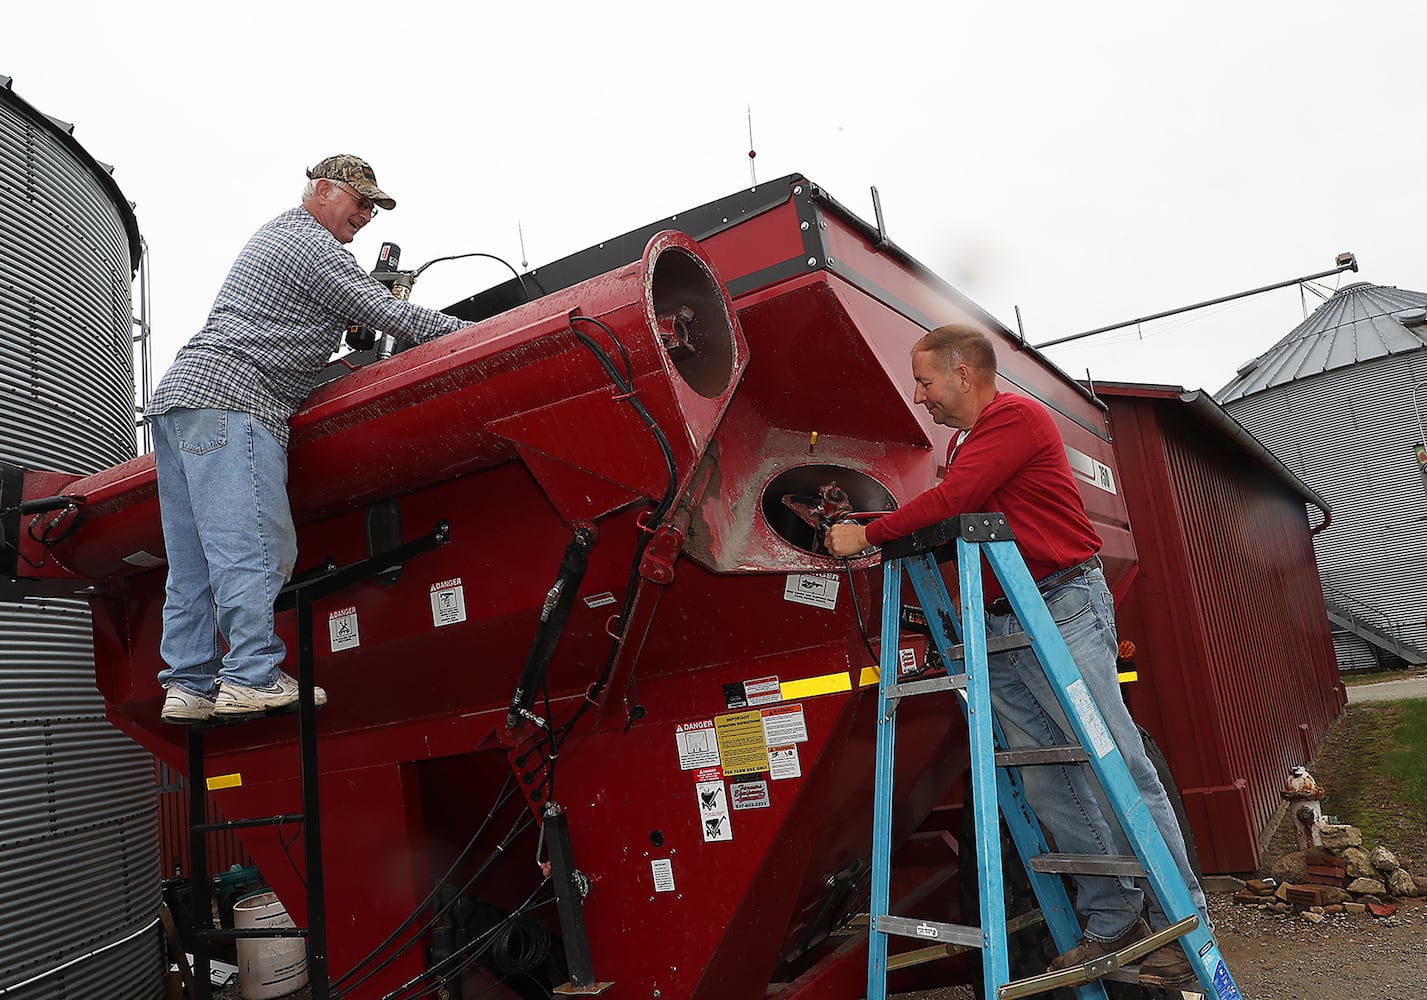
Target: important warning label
point(763, 690)
point(906, 662)
point(713, 811)
point(663, 871)
point(697, 744)
point(448, 602)
point(818, 590)
point(758, 691)
point(784, 724)
point(783, 762)
point(741, 746)
point(342, 629)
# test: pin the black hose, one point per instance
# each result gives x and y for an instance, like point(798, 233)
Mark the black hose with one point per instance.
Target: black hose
point(553, 616)
point(502, 797)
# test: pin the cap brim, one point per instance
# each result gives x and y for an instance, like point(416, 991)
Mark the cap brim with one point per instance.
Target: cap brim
point(379, 197)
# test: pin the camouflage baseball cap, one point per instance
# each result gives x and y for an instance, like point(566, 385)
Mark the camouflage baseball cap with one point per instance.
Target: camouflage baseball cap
point(358, 173)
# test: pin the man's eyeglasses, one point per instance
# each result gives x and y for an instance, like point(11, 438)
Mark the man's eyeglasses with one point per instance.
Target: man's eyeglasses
point(364, 204)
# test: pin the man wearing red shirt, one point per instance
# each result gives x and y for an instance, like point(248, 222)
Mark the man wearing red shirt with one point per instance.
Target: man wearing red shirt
point(1009, 457)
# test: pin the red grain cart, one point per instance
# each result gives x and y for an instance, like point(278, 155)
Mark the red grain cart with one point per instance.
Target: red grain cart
point(704, 715)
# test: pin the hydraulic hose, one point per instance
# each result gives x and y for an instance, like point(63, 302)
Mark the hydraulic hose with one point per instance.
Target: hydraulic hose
point(553, 616)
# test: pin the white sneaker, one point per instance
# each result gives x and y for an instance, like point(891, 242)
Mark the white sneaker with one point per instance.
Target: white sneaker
point(185, 707)
point(237, 699)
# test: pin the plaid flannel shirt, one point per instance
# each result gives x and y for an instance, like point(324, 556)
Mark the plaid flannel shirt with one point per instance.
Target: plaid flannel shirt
point(278, 318)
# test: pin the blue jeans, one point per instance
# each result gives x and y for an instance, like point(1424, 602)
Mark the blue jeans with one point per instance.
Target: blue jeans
point(1064, 798)
point(231, 546)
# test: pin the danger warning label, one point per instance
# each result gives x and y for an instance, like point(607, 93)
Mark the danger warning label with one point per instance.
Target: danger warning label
point(698, 746)
point(342, 629)
point(448, 602)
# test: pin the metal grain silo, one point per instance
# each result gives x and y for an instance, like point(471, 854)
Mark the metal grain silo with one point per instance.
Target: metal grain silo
point(79, 883)
point(1340, 401)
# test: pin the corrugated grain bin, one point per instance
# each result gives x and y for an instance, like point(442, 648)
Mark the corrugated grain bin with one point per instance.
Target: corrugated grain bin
point(1237, 679)
point(79, 886)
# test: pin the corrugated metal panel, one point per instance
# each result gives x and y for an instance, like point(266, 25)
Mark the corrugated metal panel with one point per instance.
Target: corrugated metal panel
point(1360, 323)
point(78, 827)
point(1237, 677)
point(64, 302)
point(1349, 434)
point(1354, 653)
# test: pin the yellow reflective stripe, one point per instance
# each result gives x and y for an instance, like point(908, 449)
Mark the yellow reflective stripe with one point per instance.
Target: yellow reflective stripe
point(810, 687)
point(1128, 676)
point(224, 781)
point(870, 676)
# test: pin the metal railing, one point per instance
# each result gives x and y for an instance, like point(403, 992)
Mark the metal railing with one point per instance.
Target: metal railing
point(1369, 621)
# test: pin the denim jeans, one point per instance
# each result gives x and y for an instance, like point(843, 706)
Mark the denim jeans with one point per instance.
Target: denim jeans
point(1064, 797)
point(231, 546)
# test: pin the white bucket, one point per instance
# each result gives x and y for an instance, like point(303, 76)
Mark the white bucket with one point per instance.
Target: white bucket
point(268, 967)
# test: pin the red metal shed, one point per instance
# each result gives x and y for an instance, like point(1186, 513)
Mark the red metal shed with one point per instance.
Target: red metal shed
point(1237, 678)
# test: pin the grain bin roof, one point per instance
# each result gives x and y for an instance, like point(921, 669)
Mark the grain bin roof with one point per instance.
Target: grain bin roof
point(1359, 323)
point(64, 132)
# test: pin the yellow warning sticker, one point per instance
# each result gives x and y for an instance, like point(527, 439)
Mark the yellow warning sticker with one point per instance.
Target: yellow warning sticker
point(741, 746)
point(811, 687)
point(225, 781)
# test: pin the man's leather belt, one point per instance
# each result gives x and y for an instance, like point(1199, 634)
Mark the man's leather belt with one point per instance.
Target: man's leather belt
point(1002, 606)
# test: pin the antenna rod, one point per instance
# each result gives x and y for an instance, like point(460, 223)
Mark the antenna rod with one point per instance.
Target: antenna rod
point(1345, 262)
point(752, 173)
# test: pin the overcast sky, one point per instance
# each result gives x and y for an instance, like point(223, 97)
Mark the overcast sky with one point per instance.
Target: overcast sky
point(1087, 162)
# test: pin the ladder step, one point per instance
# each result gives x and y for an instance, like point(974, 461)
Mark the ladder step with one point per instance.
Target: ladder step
point(1086, 864)
point(1047, 755)
point(956, 682)
point(234, 933)
point(238, 824)
point(220, 721)
point(994, 644)
point(938, 952)
point(927, 685)
point(930, 930)
point(1105, 967)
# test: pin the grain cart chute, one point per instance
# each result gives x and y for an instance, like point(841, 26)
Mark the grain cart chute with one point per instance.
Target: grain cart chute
point(630, 616)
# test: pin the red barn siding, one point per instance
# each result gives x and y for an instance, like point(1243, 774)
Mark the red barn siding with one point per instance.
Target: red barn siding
point(1237, 678)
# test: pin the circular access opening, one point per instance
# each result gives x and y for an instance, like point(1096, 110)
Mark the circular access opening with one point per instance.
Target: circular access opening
point(692, 321)
point(792, 500)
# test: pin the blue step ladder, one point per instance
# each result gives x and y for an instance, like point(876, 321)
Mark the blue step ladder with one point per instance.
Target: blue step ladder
point(995, 783)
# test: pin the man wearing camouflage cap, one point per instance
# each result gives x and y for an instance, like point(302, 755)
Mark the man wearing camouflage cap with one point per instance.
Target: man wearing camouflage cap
point(220, 420)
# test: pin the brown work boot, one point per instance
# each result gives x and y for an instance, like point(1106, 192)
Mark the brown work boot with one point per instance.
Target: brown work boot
point(1165, 966)
point(1088, 950)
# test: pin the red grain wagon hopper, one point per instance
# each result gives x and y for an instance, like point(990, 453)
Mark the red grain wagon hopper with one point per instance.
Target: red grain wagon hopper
point(620, 610)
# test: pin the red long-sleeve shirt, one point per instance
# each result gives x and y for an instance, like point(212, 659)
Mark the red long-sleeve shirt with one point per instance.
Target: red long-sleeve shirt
point(1012, 461)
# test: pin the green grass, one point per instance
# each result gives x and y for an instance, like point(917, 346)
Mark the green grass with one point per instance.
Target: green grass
point(1377, 676)
point(1404, 760)
point(1374, 768)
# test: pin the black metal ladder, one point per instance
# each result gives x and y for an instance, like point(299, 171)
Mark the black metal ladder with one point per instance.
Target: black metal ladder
point(298, 595)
